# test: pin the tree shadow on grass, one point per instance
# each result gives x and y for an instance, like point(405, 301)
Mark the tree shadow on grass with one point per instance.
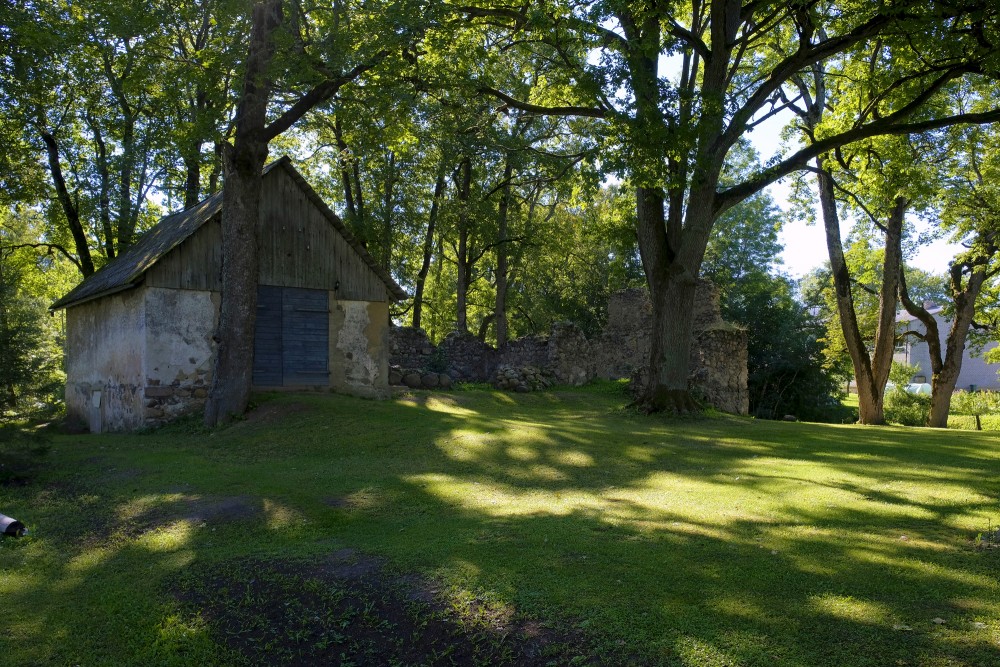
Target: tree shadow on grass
point(693, 542)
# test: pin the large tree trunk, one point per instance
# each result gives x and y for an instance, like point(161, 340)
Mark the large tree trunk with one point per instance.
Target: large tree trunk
point(425, 265)
point(671, 243)
point(870, 372)
point(672, 292)
point(670, 349)
point(243, 164)
point(68, 207)
point(946, 368)
point(503, 215)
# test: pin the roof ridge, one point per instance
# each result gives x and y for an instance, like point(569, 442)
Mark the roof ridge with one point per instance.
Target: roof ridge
point(124, 271)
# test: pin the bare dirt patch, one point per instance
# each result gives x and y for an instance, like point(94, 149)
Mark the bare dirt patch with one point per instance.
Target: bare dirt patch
point(275, 411)
point(349, 608)
point(210, 510)
point(21, 457)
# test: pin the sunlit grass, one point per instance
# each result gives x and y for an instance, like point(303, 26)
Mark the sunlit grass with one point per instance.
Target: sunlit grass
point(710, 541)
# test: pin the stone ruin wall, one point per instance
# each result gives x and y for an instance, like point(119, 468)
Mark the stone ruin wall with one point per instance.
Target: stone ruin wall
point(718, 356)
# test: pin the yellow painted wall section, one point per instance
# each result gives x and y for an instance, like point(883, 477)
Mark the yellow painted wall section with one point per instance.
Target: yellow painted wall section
point(359, 358)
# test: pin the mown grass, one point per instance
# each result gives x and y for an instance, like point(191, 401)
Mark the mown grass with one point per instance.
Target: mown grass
point(649, 540)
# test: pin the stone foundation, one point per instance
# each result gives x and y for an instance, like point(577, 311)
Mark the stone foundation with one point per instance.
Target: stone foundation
point(184, 395)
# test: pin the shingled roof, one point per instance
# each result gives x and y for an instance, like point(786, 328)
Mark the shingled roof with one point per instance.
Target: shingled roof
point(126, 270)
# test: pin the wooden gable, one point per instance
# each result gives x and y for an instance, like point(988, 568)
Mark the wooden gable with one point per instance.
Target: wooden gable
point(298, 247)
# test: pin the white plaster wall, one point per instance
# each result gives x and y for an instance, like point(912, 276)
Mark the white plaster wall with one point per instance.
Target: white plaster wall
point(180, 352)
point(975, 370)
point(179, 329)
point(359, 357)
point(105, 341)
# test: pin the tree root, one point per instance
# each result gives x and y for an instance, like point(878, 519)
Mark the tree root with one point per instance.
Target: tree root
point(670, 401)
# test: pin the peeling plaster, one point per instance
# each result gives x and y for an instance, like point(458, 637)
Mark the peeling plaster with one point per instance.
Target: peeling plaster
point(358, 359)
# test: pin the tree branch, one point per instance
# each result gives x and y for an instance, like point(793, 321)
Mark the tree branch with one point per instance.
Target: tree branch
point(52, 248)
point(318, 94)
point(589, 112)
point(889, 125)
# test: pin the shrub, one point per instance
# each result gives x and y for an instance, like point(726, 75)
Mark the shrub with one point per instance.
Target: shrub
point(21, 454)
point(906, 409)
point(902, 407)
point(976, 404)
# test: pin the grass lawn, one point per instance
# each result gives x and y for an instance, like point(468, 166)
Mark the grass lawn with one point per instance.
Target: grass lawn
point(481, 527)
point(961, 422)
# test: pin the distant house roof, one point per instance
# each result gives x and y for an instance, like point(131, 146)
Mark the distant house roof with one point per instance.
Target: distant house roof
point(904, 316)
point(126, 270)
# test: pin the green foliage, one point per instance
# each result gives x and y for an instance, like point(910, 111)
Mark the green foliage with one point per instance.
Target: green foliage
point(23, 452)
point(583, 251)
point(902, 407)
point(438, 360)
point(976, 404)
point(785, 360)
point(900, 374)
point(127, 105)
point(31, 373)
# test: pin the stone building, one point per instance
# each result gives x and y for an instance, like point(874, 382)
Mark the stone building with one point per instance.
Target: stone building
point(718, 356)
point(139, 332)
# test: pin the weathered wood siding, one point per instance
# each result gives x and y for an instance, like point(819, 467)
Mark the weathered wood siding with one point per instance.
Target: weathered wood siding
point(305, 337)
point(194, 264)
point(267, 338)
point(292, 337)
point(300, 248)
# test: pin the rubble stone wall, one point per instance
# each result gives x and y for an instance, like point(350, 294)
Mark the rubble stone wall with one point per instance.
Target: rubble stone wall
point(719, 368)
point(468, 358)
point(409, 347)
point(718, 357)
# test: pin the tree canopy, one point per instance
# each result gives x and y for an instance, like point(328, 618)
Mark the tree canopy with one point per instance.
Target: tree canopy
point(513, 163)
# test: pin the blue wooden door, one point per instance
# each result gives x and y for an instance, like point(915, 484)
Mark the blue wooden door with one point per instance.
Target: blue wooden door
point(305, 337)
point(267, 338)
point(292, 339)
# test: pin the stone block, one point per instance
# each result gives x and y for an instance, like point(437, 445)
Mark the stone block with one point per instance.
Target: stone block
point(153, 391)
